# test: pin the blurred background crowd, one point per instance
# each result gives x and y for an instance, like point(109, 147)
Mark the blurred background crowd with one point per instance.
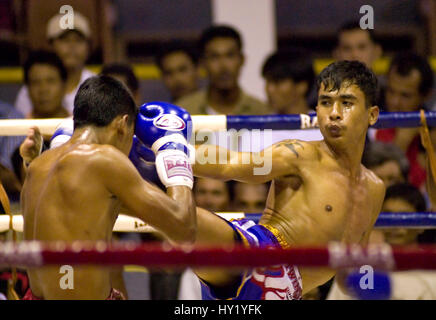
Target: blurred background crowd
point(226, 57)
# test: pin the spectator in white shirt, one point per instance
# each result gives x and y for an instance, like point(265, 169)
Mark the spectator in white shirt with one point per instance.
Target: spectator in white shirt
point(73, 47)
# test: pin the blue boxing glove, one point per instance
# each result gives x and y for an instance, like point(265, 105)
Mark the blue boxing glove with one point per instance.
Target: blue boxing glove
point(166, 129)
point(143, 158)
point(62, 134)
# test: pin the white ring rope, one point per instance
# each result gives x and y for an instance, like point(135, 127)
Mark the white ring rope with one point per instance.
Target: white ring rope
point(19, 127)
point(124, 222)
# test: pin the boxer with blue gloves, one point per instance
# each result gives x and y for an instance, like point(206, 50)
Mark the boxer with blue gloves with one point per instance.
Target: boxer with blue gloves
point(75, 191)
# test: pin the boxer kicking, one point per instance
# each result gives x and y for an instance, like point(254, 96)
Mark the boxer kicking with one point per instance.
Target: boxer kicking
point(74, 192)
point(320, 192)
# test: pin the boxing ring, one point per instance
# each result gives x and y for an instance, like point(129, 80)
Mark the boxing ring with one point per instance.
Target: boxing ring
point(334, 255)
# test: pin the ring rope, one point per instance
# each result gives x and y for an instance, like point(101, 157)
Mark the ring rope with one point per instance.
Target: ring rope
point(14, 127)
point(125, 223)
point(335, 255)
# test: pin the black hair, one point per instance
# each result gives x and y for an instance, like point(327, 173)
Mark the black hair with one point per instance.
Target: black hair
point(346, 72)
point(124, 70)
point(377, 153)
point(296, 65)
point(44, 57)
point(172, 47)
point(351, 26)
point(219, 31)
point(408, 193)
point(100, 99)
point(404, 63)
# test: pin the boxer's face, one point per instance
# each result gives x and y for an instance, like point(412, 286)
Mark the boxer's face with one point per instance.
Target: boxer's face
point(402, 92)
point(357, 45)
point(179, 74)
point(223, 61)
point(72, 48)
point(342, 114)
point(46, 89)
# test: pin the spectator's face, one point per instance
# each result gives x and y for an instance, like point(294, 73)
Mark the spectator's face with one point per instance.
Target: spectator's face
point(72, 48)
point(250, 198)
point(399, 236)
point(223, 61)
point(389, 172)
point(357, 45)
point(179, 74)
point(402, 92)
point(211, 194)
point(282, 94)
point(46, 89)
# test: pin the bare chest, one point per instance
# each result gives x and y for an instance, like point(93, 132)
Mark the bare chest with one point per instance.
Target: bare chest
point(341, 204)
point(325, 203)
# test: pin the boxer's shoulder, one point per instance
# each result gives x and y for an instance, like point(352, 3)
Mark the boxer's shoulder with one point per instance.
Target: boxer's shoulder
point(374, 182)
point(297, 149)
point(97, 153)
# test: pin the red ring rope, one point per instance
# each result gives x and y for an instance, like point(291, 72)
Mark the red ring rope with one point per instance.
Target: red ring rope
point(122, 253)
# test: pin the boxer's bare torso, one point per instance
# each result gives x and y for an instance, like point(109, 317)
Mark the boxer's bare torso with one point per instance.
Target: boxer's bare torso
point(323, 203)
point(74, 193)
point(59, 203)
point(320, 192)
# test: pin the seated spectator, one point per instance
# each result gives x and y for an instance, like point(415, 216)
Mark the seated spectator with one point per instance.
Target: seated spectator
point(222, 58)
point(45, 77)
point(73, 47)
point(355, 43)
point(289, 79)
point(403, 197)
point(249, 198)
point(409, 82)
point(212, 194)
point(406, 285)
point(125, 74)
point(179, 70)
point(387, 161)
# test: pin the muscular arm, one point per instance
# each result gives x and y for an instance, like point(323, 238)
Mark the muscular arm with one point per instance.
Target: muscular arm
point(279, 159)
point(172, 213)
